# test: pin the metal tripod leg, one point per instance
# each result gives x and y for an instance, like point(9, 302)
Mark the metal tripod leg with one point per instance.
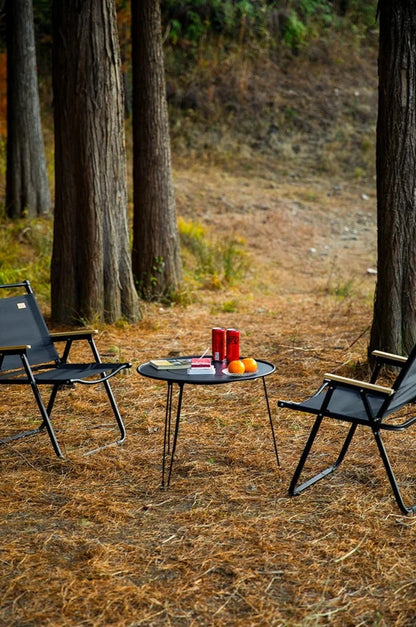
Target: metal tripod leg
point(166, 438)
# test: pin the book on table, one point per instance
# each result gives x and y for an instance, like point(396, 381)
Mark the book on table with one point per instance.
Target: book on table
point(174, 363)
point(201, 365)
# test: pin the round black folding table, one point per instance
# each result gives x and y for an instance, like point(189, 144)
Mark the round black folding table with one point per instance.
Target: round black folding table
point(181, 378)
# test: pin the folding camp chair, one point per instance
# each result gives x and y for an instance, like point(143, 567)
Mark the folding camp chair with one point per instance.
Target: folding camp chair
point(28, 357)
point(360, 403)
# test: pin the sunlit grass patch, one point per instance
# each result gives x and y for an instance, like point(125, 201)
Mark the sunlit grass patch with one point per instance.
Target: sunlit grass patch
point(26, 248)
point(211, 263)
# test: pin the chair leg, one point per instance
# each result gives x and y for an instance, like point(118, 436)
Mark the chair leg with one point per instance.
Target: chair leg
point(109, 391)
point(118, 419)
point(294, 489)
point(22, 434)
point(391, 476)
point(46, 423)
point(46, 418)
point(116, 412)
point(45, 413)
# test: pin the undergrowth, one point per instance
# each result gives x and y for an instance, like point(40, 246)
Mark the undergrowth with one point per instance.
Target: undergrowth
point(26, 248)
point(212, 263)
point(209, 263)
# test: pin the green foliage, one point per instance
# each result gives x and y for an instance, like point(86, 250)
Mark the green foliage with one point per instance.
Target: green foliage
point(188, 21)
point(214, 13)
point(210, 263)
point(295, 32)
point(363, 14)
point(293, 23)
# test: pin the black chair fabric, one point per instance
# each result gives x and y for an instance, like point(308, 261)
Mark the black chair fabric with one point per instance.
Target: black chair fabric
point(21, 322)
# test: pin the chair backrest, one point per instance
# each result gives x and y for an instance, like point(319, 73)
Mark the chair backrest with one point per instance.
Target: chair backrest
point(404, 385)
point(21, 322)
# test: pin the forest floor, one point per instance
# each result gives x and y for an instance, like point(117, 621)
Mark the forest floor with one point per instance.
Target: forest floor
point(93, 540)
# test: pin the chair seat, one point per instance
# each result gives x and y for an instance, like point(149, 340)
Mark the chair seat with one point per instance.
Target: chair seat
point(345, 404)
point(73, 373)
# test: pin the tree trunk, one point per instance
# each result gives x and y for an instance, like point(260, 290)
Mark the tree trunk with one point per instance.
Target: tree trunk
point(156, 252)
point(27, 187)
point(91, 273)
point(394, 323)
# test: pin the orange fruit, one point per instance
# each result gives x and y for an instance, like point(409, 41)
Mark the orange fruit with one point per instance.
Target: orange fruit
point(250, 364)
point(236, 367)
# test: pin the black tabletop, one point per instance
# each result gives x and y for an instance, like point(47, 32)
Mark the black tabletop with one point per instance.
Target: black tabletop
point(264, 368)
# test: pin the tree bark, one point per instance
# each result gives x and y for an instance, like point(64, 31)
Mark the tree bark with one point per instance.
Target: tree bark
point(27, 186)
point(156, 252)
point(91, 276)
point(394, 322)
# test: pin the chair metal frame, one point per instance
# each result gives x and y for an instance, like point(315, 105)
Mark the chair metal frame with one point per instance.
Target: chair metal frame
point(359, 403)
point(34, 361)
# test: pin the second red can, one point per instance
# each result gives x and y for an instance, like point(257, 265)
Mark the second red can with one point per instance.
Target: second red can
point(232, 344)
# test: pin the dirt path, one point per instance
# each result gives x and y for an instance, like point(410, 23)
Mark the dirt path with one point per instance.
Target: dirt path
point(294, 229)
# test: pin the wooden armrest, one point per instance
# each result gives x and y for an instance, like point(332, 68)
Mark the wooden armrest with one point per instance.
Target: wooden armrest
point(359, 384)
point(14, 349)
point(63, 336)
point(390, 357)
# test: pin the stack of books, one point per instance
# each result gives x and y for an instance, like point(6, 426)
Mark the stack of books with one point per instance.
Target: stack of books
point(201, 365)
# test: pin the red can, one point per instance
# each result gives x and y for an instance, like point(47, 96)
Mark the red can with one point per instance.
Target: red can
point(232, 344)
point(218, 344)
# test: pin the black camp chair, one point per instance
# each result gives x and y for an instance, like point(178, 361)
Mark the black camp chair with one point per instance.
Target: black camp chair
point(360, 403)
point(28, 357)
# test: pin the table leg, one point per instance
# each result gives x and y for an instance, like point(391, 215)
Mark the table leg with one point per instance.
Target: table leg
point(271, 421)
point(166, 435)
point(168, 421)
point(166, 439)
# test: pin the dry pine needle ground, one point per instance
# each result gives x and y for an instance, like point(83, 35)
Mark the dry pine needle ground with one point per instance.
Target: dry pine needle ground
point(93, 540)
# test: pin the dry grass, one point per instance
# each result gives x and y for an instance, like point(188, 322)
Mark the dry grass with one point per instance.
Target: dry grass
point(94, 540)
